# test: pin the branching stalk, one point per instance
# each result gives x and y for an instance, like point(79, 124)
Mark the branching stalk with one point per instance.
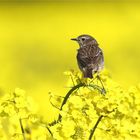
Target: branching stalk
point(98, 77)
point(22, 129)
point(94, 128)
point(49, 131)
point(68, 95)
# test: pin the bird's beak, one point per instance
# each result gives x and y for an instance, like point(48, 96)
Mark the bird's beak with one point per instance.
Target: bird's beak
point(74, 39)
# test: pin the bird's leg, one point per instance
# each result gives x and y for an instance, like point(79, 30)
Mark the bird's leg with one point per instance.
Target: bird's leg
point(98, 77)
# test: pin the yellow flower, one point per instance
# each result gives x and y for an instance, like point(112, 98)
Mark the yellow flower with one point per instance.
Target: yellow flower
point(19, 92)
point(76, 101)
point(21, 102)
point(68, 128)
point(10, 110)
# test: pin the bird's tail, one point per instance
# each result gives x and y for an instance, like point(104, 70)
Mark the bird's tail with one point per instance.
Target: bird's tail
point(88, 73)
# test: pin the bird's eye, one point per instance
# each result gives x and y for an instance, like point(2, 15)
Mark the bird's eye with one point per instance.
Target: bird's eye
point(83, 39)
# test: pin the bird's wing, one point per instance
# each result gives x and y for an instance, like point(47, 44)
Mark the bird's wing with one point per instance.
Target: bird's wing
point(82, 58)
point(88, 55)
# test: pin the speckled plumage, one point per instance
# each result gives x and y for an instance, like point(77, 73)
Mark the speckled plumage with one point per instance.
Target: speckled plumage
point(89, 57)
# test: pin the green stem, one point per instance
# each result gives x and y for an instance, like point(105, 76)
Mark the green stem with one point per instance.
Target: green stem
point(67, 97)
point(65, 100)
point(95, 126)
point(49, 131)
point(104, 91)
point(69, 93)
point(22, 129)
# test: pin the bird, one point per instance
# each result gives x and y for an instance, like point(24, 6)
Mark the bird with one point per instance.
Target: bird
point(89, 56)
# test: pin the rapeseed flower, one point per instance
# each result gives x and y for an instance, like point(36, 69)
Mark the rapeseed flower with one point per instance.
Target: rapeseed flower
point(85, 112)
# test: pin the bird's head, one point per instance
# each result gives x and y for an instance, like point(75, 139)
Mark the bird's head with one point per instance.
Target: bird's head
point(84, 40)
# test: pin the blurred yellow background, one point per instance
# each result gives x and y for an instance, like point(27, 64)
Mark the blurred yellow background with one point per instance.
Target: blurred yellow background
point(35, 45)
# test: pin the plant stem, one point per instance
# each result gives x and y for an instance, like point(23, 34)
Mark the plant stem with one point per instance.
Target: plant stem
point(67, 97)
point(98, 77)
point(95, 126)
point(49, 131)
point(22, 129)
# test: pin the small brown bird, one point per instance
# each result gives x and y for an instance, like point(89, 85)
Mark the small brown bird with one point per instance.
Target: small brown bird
point(89, 57)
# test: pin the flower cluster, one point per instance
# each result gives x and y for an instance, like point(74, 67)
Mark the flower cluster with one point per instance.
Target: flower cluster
point(89, 114)
point(18, 118)
point(92, 109)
